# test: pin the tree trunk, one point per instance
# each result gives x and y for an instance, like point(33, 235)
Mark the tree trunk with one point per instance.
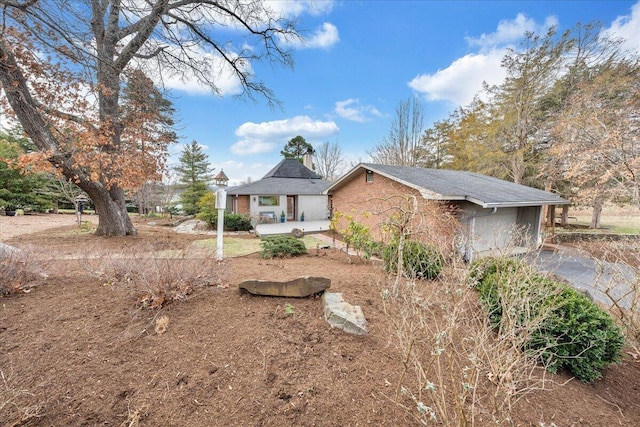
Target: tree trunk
point(564, 219)
point(113, 219)
point(597, 211)
point(110, 204)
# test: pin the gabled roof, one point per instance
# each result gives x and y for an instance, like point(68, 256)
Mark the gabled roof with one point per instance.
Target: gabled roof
point(287, 177)
point(442, 184)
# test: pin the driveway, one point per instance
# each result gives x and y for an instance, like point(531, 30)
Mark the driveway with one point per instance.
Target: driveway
point(592, 276)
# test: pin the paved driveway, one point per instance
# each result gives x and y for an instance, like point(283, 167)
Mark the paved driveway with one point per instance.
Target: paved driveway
point(590, 275)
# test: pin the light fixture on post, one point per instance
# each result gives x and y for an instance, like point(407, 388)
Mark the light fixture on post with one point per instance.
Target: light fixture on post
point(221, 181)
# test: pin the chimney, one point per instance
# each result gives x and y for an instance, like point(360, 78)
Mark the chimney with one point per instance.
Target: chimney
point(307, 159)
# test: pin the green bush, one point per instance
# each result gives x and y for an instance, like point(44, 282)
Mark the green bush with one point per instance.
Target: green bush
point(419, 260)
point(575, 334)
point(585, 339)
point(282, 246)
point(232, 222)
point(236, 222)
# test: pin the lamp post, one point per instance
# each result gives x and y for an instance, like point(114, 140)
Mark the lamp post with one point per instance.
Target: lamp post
point(80, 200)
point(221, 181)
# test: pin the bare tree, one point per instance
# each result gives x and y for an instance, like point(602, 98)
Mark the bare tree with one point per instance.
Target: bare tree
point(402, 146)
point(58, 56)
point(329, 160)
point(599, 133)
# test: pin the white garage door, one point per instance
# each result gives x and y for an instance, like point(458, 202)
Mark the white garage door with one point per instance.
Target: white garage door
point(495, 231)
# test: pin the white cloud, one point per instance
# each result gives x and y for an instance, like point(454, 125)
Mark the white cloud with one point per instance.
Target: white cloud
point(510, 31)
point(240, 171)
point(211, 65)
point(263, 137)
point(463, 78)
point(460, 81)
point(323, 38)
point(628, 28)
point(351, 109)
point(295, 8)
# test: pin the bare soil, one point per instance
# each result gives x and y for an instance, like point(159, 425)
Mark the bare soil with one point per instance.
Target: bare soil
point(78, 351)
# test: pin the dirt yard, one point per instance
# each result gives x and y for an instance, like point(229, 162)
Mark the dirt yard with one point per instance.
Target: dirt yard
point(79, 351)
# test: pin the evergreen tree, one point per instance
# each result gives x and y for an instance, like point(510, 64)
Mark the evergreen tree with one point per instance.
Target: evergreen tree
point(194, 174)
point(296, 148)
point(19, 188)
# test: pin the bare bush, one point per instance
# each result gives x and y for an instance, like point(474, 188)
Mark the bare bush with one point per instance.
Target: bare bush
point(21, 270)
point(458, 368)
point(618, 280)
point(158, 278)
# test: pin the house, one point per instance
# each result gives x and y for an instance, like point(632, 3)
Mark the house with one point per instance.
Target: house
point(490, 214)
point(290, 187)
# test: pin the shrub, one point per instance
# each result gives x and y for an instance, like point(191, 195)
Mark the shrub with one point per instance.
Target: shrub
point(232, 222)
point(21, 270)
point(585, 339)
point(356, 235)
point(158, 278)
point(236, 222)
point(282, 246)
point(573, 334)
point(419, 260)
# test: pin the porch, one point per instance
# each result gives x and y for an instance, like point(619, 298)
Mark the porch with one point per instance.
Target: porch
point(286, 227)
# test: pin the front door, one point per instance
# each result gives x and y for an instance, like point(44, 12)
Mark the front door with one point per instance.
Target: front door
point(291, 208)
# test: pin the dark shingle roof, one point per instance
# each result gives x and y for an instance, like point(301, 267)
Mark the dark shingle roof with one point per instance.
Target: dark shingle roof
point(287, 177)
point(291, 168)
point(278, 186)
point(442, 184)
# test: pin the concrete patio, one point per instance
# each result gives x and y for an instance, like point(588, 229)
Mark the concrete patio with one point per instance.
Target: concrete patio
point(286, 227)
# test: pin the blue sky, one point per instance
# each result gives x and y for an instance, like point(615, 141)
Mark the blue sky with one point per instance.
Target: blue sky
point(359, 59)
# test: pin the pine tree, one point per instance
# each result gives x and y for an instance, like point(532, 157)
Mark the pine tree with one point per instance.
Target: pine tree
point(194, 173)
point(296, 148)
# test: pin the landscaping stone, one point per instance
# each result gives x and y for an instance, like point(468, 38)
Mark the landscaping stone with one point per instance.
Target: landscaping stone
point(7, 251)
point(301, 287)
point(297, 233)
point(343, 315)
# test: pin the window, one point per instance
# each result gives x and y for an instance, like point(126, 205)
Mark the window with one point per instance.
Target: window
point(369, 176)
point(268, 201)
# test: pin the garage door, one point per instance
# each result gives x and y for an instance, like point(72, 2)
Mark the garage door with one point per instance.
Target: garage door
point(495, 231)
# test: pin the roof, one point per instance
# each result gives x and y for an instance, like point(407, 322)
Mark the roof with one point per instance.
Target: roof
point(291, 168)
point(287, 177)
point(277, 186)
point(443, 184)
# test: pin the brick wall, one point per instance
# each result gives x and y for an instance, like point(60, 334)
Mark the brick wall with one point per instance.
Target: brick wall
point(242, 205)
point(374, 203)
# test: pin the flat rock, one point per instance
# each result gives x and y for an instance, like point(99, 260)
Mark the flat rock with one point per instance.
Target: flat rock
point(301, 287)
point(343, 315)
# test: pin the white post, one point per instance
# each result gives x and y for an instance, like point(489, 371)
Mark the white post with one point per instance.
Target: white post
point(221, 202)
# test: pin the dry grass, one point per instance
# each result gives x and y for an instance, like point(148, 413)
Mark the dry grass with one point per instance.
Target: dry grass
point(618, 219)
point(17, 407)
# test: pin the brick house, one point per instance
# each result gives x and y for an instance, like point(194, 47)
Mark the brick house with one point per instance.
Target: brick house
point(483, 213)
point(290, 187)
